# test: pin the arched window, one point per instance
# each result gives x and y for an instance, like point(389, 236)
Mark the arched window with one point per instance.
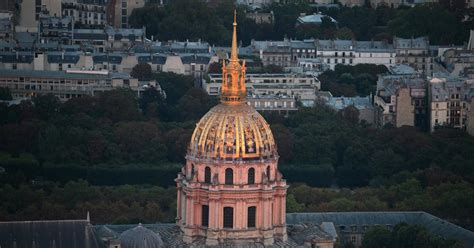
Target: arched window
point(251, 216)
point(207, 175)
point(205, 215)
point(229, 176)
point(251, 176)
point(268, 172)
point(228, 217)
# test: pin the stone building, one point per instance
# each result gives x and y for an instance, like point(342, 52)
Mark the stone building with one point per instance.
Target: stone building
point(87, 13)
point(230, 190)
point(451, 103)
point(301, 87)
point(55, 29)
point(400, 100)
point(414, 52)
point(63, 84)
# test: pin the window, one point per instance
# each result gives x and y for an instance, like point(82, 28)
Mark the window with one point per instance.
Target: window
point(268, 172)
point(207, 175)
point(205, 215)
point(251, 216)
point(229, 176)
point(353, 239)
point(228, 217)
point(251, 176)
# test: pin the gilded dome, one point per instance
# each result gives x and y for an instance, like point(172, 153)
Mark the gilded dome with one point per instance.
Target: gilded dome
point(232, 132)
point(232, 129)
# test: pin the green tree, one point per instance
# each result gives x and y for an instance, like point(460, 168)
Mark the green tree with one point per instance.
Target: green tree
point(5, 94)
point(141, 71)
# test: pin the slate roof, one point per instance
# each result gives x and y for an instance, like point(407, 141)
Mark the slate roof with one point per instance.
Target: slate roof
point(14, 57)
point(89, 34)
point(112, 58)
point(300, 227)
point(60, 74)
point(343, 221)
point(63, 58)
point(314, 19)
point(340, 103)
point(46, 234)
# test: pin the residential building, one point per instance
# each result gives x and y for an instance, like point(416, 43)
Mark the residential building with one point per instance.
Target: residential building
point(459, 61)
point(283, 53)
point(31, 11)
point(401, 100)
point(414, 52)
point(286, 53)
point(6, 28)
point(55, 29)
point(119, 11)
point(301, 87)
point(280, 103)
point(261, 17)
point(86, 13)
point(451, 103)
point(63, 84)
point(348, 52)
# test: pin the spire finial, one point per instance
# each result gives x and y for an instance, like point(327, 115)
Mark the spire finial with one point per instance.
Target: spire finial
point(233, 89)
point(234, 52)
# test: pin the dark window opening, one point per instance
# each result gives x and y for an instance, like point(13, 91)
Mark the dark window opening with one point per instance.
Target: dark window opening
point(205, 215)
point(229, 176)
point(251, 176)
point(228, 217)
point(251, 216)
point(207, 175)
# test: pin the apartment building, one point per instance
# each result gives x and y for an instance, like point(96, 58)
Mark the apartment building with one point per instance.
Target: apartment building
point(63, 84)
point(401, 100)
point(301, 87)
point(451, 103)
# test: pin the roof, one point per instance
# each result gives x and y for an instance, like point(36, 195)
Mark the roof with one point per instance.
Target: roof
point(63, 58)
point(89, 34)
point(140, 237)
point(16, 57)
point(62, 74)
point(300, 227)
point(413, 43)
point(340, 103)
point(314, 19)
point(307, 232)
point(43, 234)
point(112, 58)
point(343, 220)
point(401, 69)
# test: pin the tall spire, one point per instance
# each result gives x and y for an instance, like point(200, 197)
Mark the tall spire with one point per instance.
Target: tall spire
point(234, 52)
point(233, 89)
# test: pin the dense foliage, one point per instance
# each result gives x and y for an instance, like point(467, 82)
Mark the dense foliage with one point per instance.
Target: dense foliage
point(404, 235)
point(212, 22)
point(117, 138)
point(358, 80)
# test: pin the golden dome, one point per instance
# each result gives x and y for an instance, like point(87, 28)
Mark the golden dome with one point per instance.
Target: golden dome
point(232, 129)
point(232, 132)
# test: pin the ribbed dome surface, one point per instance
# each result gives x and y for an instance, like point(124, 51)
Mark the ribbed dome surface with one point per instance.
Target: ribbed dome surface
point(232, 132)
point(140, 237)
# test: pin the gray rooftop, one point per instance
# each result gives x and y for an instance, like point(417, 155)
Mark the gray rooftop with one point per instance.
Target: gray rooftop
point(45, 234)
point(61, 74)
point(344, 220)
point(300, 227)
